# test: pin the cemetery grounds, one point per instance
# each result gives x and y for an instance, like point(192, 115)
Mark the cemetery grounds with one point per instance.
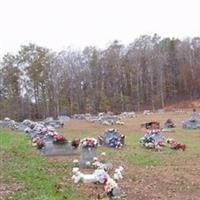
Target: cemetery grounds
point(168, 174)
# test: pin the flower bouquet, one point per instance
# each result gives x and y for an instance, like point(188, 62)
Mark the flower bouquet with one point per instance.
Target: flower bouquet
point(40, 143)
point(176, 145)
point(75, 143)
point(59, 139)
point(89, 143)
point(115, 142)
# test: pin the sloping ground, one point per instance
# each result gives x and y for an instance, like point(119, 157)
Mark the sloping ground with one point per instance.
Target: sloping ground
point(26, 175)
point(168, 174)
point(184, 104)
point(148, 175)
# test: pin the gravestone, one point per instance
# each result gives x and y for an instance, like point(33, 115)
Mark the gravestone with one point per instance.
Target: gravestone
point(63, 118)
point(158, 137)
point(117, 192)
point(87, 155)
point(108, 119)
point(51, 149)
point(35, 134)
point(8, 123)
point(191, 124)
point(48, 138)
point(54, 123)
point(169, 124)
point(21, 127)
point(112, 138)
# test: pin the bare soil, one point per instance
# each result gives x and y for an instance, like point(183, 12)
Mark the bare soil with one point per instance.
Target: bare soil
point(8, 189)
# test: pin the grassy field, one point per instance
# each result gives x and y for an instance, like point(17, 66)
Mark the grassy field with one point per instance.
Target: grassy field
point(132, 152)
point(167, 174)
point(27, 175)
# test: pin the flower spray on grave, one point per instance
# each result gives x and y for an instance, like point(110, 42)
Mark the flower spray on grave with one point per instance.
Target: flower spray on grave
point(89, 143)
point(112, 138)
point(175, 145)
point(153, 138)
point(59, 139)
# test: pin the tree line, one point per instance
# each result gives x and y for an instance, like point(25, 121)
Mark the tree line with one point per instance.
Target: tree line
point(149, 73)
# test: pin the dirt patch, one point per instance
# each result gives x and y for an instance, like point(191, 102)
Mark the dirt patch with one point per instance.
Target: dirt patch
point(140, 182)
point(163, 183)
point(8, 189)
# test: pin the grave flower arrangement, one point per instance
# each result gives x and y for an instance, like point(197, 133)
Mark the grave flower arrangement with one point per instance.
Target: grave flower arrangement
point(59, 139)
point(115, 142)
point(40, 143)
point(176, 145)
point(109, 186)
point(88, 143)
point(75, 143)
point(112, 138)
point(153, 139)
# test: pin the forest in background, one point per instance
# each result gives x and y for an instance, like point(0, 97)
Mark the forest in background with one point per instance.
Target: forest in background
point(149, 73)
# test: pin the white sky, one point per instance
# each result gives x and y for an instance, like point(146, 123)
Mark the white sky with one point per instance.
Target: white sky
point(57, 24)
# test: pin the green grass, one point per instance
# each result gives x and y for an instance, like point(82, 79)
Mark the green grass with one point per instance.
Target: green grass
point(135, 154)
point(143, 159)
point(40, 178)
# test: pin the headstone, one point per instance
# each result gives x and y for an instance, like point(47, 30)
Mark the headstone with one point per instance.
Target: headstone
point(193, 122)
point(109, 119)
point(87, 155)
point(21, 127)
point(112, 138)
point(63, 118)
point(117, 192)
point(169, 124)
point(35, 134)
point(51, 149)
point(127, 115)
point(158, 137)
point(194, 115)
point(48, 138)
point(54, 123)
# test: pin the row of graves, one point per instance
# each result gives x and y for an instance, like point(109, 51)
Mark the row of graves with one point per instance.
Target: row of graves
point(111, 119)
point(28, 124)
point(91, 167)
point(105, 118)
point(154, 137)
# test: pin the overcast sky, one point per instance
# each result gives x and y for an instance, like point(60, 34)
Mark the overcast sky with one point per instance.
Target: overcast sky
point(57, 24)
